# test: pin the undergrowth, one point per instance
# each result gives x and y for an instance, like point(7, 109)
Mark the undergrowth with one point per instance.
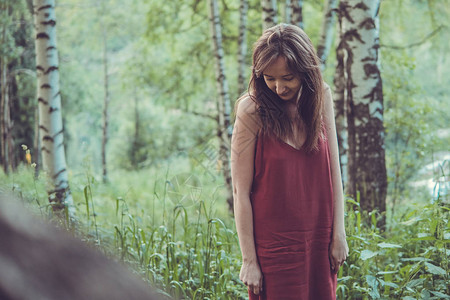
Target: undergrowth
point(175, 231)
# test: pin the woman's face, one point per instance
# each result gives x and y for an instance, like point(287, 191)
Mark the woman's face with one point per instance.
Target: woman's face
point(281, 80)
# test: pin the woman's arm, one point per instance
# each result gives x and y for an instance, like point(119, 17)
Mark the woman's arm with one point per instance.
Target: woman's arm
point(242, 165)
point(338, 247)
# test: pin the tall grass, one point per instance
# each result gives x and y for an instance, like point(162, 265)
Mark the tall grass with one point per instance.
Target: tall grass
point(175, 231)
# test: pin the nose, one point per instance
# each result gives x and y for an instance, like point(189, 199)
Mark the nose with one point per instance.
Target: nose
point(280, 87)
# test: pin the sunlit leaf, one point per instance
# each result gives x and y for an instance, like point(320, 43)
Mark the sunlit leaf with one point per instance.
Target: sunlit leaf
point(366, 254)
point(440, 295)
point(415, 282)
point(434, 269)
point(387, 245)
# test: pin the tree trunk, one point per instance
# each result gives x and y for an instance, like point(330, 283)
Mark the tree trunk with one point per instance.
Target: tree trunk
point(242, 45)
point(3, 109)
point(105, 106)
point(223, 101)
point(49, 101)
point(326, 35)
point(364, 95)
point(287, 12)
point(269, 13)
point(134, 152)
point(36, 143)
point(341, 106)
point(9, 142)
point(297, 13)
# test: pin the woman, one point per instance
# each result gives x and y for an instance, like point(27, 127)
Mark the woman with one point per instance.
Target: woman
point(288, 198)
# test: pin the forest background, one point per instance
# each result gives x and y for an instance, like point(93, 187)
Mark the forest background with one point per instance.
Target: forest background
point(161, 205)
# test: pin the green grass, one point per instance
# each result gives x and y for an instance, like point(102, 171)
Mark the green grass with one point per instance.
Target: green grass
point(173, 228)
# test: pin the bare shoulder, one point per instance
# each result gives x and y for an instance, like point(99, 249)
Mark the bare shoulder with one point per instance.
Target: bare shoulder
point(246, 113)
point(327, 97)
point(245, 105)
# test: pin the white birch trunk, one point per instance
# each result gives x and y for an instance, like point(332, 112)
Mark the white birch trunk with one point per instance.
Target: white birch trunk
point(269, 13)
point(242, 45)
point(341, 106)
point(297, 13)
point(223, 101)
point(287, 12)
point(49, 101)
point(326, 33)
point(364, 95)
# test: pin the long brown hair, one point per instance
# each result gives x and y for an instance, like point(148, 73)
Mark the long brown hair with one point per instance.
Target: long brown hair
point(292, 43)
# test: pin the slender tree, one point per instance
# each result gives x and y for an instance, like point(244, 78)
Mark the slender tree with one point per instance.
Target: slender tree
point(49, 101)
point(223, 101)
point(36, 143)
point(297, 13)
point(341, 105)
point(364, 95)
point(269, 13)
point(106, 101)
point(5, 47)
point(104, 32)
point(4, 115)
point(136, 143)
point(326, 33)
point(287, 12)
point(242, 45)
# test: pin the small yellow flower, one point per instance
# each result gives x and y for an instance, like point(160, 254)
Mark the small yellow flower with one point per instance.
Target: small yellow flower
point(28, 157)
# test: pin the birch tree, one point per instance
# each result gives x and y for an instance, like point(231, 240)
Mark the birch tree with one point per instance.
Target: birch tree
point(297, 13)
point(364, 95)
point(340, 104)
point(326, 33)
point(223, 100)
point(49, 101)
point(269, 13)
point(242, 45)
point(287, 12)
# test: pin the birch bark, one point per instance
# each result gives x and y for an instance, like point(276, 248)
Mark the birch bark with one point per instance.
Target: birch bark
point(326, 35)
point(297, 13)
point(223, 101)
point(269, 13)
point(364, 95)
point(49, 101)
point(288, 11)
point(341, 105)
point(242, 45)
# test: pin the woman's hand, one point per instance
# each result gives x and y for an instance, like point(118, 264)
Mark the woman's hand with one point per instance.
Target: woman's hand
point(252, 277)
point(338, 252)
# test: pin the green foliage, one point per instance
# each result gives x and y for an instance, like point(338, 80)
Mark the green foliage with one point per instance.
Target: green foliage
point(409, 261)
point(17, 52)
point(174, 231)
point(409, 121)
point(173, 226)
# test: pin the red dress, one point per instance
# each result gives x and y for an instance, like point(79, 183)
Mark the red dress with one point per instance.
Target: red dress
point(292, 202)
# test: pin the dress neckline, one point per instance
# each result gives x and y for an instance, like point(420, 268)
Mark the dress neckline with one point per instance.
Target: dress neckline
point(283, 143)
